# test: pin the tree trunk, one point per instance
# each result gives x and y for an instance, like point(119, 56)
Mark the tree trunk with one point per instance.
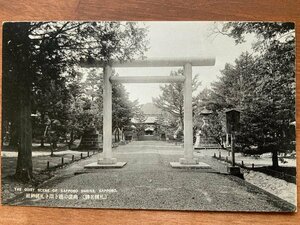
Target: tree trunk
point(275, 158)
point(52, 149)
point(54, 144)
point(71, 139)
point(43, 137)
point(115, 136)
point(24, 162)
point(182, 120)
point(118, 136)
point(42, 142)
point(122, 135)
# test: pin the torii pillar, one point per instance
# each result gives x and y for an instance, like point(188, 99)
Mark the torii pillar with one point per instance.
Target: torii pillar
point(188, 118)
point(106, 160)
point(189, 161)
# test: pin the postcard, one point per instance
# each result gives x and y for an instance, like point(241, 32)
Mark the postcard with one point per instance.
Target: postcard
point(157, 115)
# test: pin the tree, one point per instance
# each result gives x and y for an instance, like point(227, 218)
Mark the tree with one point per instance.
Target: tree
point(140, 118)
point(75, 108)
point(51, 101)
point(267, 33)
point(263, 85)
point(167, 124)
point(171, 99)
point(50, 49)
point(93, 102)
point(123, 109)
point(16, 45)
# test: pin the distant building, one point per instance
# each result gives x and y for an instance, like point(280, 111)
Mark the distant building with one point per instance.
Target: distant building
point(148, 129)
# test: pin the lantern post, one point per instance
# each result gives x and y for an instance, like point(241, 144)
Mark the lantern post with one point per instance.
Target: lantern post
point(233, 126)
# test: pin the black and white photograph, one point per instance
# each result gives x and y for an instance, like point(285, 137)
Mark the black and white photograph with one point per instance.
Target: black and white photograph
point(154, 115)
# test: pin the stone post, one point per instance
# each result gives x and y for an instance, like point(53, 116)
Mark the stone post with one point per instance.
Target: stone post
point(232, 148)
point(227, 143)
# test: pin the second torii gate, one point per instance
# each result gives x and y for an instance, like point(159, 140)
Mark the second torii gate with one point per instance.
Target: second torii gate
point(188, 160)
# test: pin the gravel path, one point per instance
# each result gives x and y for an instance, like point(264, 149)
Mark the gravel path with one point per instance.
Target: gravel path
point(148, 182)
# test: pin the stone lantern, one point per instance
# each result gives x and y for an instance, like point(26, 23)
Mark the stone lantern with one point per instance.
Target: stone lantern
point(203, 139)
point(205, 113)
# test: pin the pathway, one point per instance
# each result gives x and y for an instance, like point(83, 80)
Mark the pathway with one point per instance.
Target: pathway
point(149, 182)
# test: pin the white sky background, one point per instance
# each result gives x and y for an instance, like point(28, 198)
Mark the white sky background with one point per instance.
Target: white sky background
point(183, 39)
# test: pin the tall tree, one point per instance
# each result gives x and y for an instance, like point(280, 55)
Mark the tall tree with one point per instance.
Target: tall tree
point(171, 98)
point(16, 48)
point(123, 109)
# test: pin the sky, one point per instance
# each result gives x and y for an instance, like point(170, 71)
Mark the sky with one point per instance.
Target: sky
point(183, 39)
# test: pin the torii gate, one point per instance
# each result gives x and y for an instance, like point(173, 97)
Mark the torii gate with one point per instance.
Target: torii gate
point(188, 160)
